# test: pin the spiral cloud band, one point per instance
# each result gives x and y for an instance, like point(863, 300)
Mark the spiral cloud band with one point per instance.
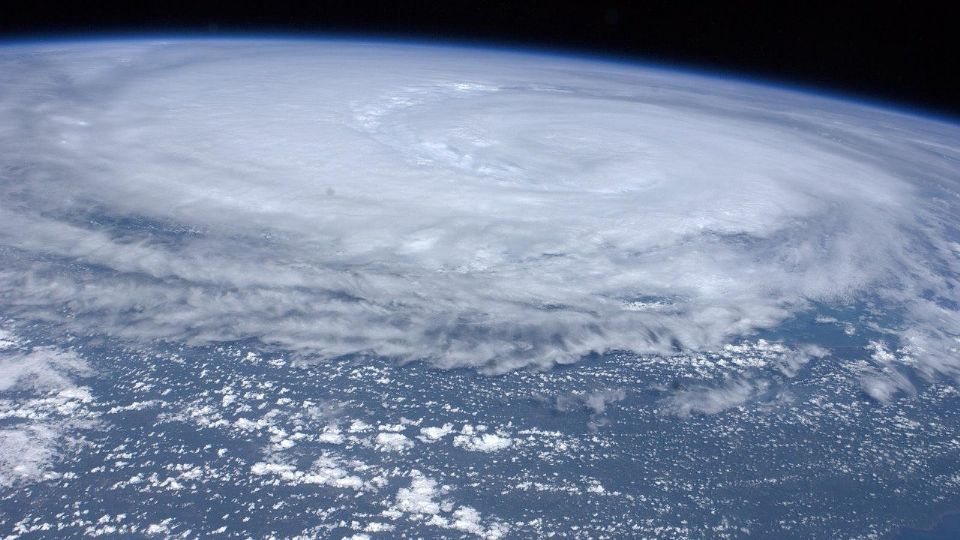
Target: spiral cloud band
point(467, 208)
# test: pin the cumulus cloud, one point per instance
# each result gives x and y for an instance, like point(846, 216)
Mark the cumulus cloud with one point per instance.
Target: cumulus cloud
point(431, 434)
point(40, 405)
point(327, 470)
point(424, 500)
point(392, 442)
point(485, 442)
point(466, 208)
point(420, 498)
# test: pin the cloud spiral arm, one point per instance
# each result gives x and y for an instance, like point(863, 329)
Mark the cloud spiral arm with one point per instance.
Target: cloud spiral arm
point(469, 208)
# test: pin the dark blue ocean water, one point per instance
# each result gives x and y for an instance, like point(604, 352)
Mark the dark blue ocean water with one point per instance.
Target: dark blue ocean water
point(597, 449)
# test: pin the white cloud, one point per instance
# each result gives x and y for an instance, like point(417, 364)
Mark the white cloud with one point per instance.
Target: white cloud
point(709, 400)
point(453, 207)
point(392, 442)
point(26, 453)
point(48, 407)
point(883, 385)
point(377, 526)
point(434, 433)
point(598, 401)
point(483, 442)
point(359, 426)
point(41, 369)
point(7, 340)
point(331, 435)
point(419, 497)
point(879, 388)
point(423, 500)
point(327, 470)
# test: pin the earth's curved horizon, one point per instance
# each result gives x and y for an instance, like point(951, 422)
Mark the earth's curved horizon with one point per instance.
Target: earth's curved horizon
point(236, 276)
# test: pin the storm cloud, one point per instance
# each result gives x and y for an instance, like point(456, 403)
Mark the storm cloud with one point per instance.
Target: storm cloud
point(467, 208)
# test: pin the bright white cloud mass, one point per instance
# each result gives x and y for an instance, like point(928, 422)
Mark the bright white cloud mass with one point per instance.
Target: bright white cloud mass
point(468, 208)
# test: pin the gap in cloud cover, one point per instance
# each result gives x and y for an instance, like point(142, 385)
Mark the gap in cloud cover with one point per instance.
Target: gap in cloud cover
point(464, 207)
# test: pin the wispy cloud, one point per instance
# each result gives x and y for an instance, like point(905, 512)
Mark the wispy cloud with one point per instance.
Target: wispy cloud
point(709, 400)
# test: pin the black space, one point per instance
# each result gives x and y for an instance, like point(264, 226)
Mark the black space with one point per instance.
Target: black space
point(900, 51)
